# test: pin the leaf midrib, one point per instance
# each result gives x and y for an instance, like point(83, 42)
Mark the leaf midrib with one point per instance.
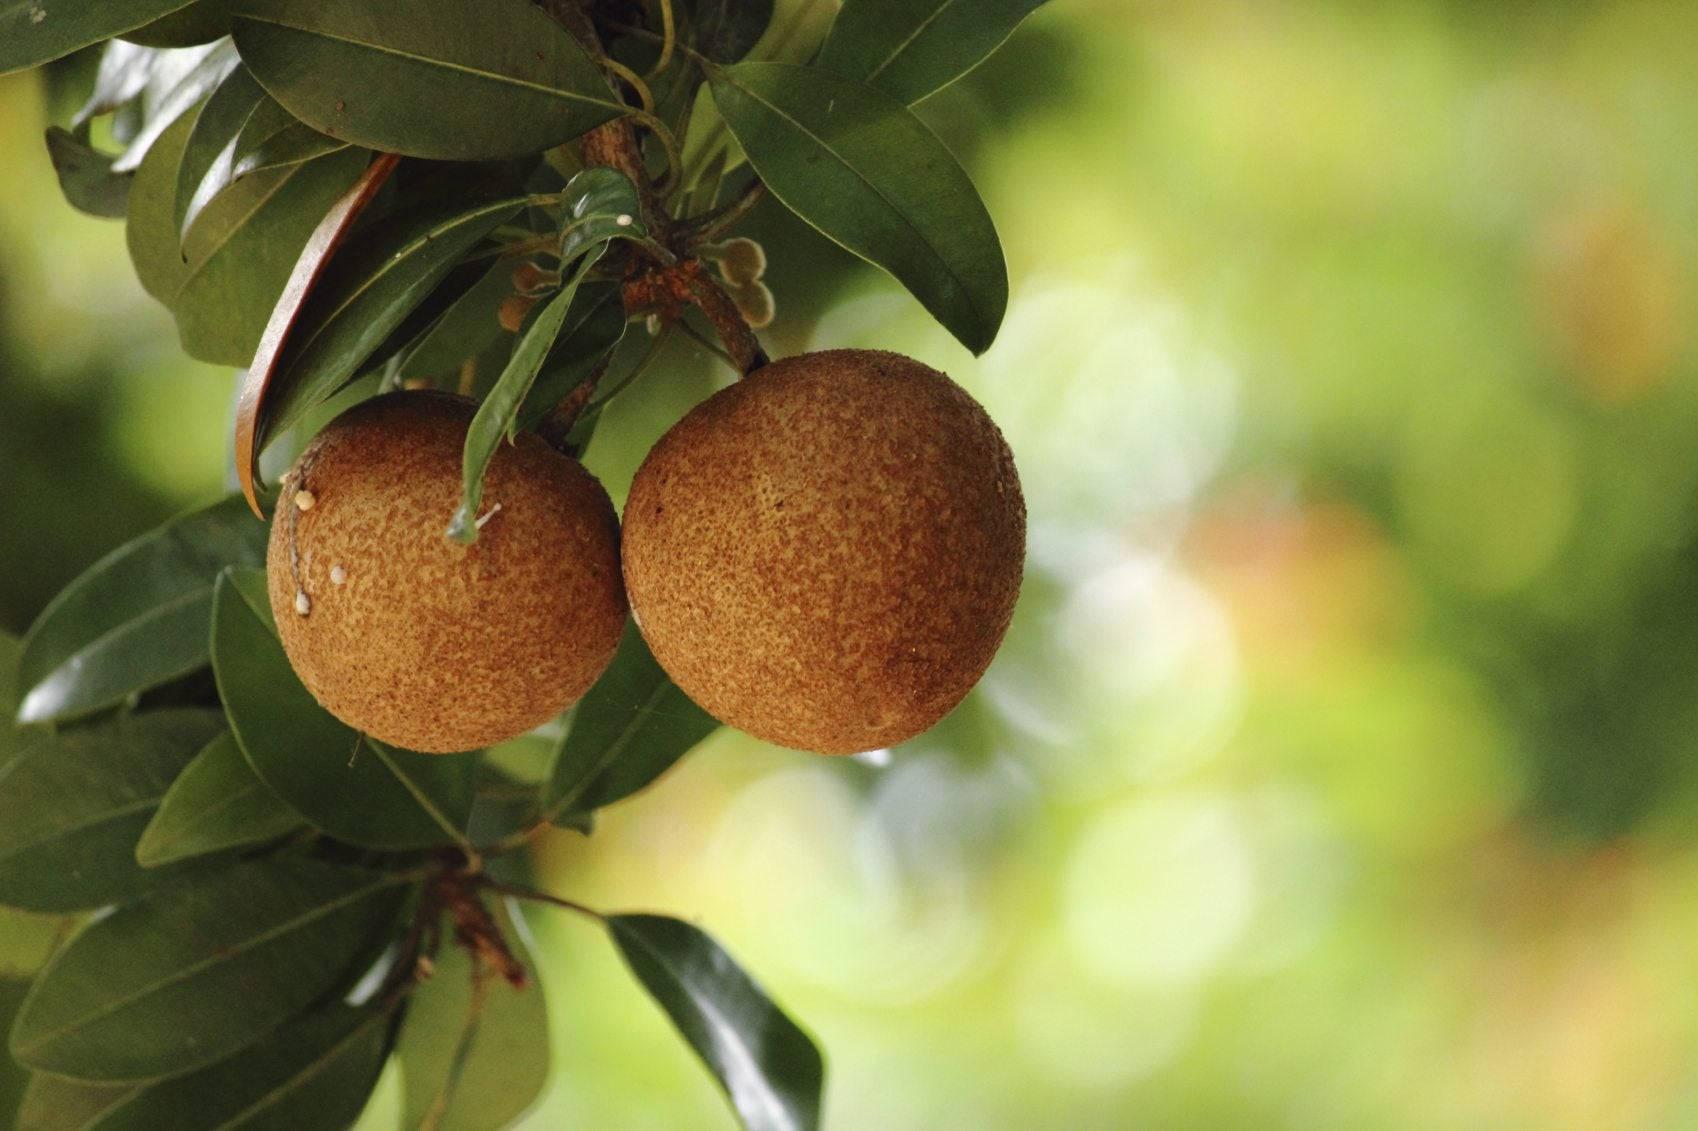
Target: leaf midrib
point(909, 41)
point(961, 287)
point(224, 954)
point(125, 627)
point(461, 68)
point(625, 735)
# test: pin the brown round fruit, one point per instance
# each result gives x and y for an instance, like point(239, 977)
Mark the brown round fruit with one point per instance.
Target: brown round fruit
point(826, 554)
point(421, 642)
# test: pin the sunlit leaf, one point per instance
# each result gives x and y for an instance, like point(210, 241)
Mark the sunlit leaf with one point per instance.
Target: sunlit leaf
point(217, 802)
point(910, 48)
point(73, 804)
point(313, 1072)
point(429, 78)
point(205, 168)
point(85, 175)
point(174, 100)
point(764, 1062)
point(857, 165)
point(466, 1069)
point(122, 73)
point(36, 31)
point(628, 730)
point(340, 781)
point(196, 971)
point(272, 137)
point(138, 617)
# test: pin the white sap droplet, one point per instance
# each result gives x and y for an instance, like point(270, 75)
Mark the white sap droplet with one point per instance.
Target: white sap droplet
point(623, 220)
point(338, 575)
point(303, 605)
point(304, 500)
point(479, 523)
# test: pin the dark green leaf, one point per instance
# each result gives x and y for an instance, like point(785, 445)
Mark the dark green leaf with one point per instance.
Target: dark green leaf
point(628, 730)
point(150, 230)
point(341, 782)
point(13, 1078)
point(369, 288)
point(466, 1070)
point(195, 971)
point(857, 165)
point(85, 175)
point(495, 416)
point(593, 328)
point(274, 137)
point(217, 802)
point(429, 78)
point(138, 617)
point(314, 1072)
point(464, 330)
point(174, 100)
point(210, 151)
point(765, 1063)
point(909, 48)
point(602, 205)
point(727, 29)
point(57, 1103)
point(201, 22)
point(36, 31)
point(73, 804)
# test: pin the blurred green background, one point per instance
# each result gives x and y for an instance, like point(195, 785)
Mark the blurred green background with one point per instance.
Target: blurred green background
point(1341, 768)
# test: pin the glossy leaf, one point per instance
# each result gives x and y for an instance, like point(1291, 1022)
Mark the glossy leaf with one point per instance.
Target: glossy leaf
point(217, 802)
point(175, 99)
point(727, 29)
point(469, 326)
point(138, 617)
point(210, 150)
point(910, 48)
point(494, 419)
point(628, 730)
point(73, 804)
point(121, 75)
point(428, 78)
point(314, 1072)
point(200, 22)
point(593, 328)
point(340, 781)
point(466, 1069)
point(85, 175)
point(371, 287)
point(150, 231)
point(601, 205)
point(37, 31)
point(58, 1103)
point(764, 1062)
point(309, 267)
point(856, 164)
point(196, 971)
point(272, 137)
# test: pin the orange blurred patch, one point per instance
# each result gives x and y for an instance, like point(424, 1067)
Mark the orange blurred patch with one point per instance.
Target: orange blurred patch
point(1608, 294)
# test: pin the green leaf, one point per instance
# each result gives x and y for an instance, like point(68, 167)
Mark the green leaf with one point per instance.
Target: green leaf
point(767, 1066)
point(602, 205)
point(274, 137)
point(121, 75)
point(27, 940)
point(198, 970)
point(856, 164)
point(467, 1069)
point(85, 175)
point(369, 289)
point(495, 416)
point(138, 617)
point(469, 326)
point(201, 22)
point(910, 48)
point(58, 1103)
point(207, 156)
point(217, 802)
point(314, 1072)
point(177, 97)
point(428, 78)
point(37, 31)
point(727, 29)
point(73, 804)
point(593, 329)
point(628, 730)
point(13, 1078)
point(150, 230)
point(340, 781)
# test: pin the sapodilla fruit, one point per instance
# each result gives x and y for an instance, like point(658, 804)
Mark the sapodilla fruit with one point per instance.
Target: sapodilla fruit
point(826, 554)
point(425, 643)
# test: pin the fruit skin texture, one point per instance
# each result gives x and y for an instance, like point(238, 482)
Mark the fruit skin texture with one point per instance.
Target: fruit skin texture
point(827, 553)
point(421, 642)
